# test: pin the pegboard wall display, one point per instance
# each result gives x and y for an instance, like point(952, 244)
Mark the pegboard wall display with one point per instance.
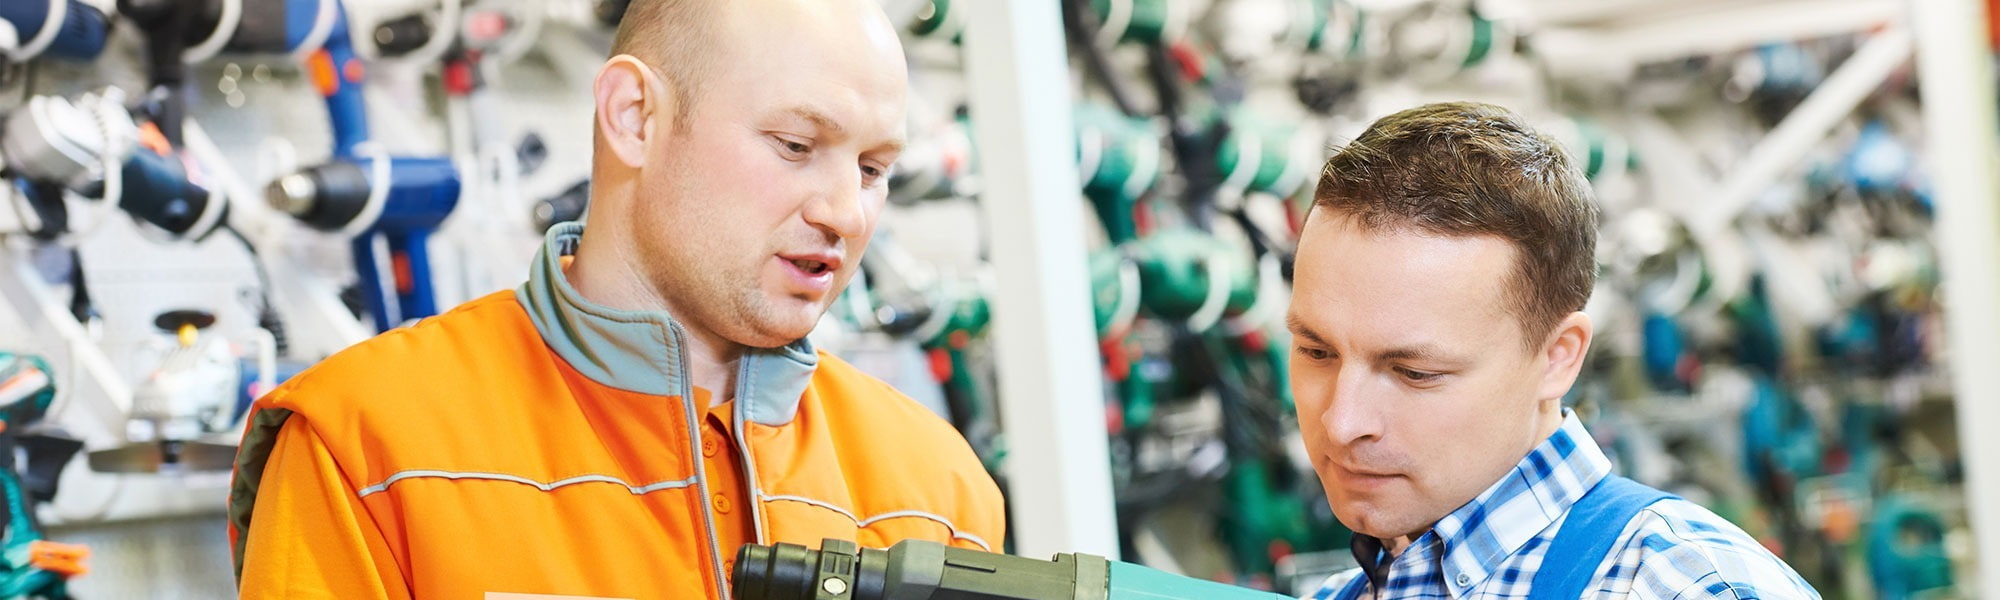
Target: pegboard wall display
point(205, 197)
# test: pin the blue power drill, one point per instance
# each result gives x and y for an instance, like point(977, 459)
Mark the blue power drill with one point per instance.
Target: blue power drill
point(260, 27)
point(59, 28)
point(924, 570)
point(392, 209)
point(30, 567)
point(390, 204)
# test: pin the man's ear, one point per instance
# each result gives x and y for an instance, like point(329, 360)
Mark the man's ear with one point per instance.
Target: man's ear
point(628, 95)
point(1565, 350)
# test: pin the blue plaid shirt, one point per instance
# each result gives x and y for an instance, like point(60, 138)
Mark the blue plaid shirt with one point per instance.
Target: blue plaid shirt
point(1491, 548)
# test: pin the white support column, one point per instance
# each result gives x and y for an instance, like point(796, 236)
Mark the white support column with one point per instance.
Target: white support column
point(1051, 393)
point(1955, 66)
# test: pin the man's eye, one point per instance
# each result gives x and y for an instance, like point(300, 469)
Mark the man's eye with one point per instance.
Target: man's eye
point(1414, 376)
point(792, 147)
point(1314, 353)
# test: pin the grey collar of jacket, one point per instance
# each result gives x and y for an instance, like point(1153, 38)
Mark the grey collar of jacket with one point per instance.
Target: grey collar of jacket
point(645, 351)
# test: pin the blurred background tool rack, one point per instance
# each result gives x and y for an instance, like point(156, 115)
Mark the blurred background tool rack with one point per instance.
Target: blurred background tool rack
point(1087, 252)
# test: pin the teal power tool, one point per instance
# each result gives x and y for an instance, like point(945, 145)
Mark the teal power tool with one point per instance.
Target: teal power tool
point(1118, 158)
point(1141, 21)
point(938, 20)
point(961, 316)
point(30, 567)
point(923, 570)
point(1906, 549)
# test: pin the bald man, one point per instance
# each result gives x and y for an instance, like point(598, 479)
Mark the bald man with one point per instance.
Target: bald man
point(647, 402)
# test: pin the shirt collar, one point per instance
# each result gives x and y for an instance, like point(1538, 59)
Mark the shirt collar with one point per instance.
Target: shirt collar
point(1479, 536)
point(642, 351)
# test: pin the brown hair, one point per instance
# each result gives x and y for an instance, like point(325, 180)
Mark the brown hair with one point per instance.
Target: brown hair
point(1470, 169)
point(676, 38)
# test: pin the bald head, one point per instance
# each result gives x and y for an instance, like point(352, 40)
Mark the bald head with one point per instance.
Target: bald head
point(685, 40)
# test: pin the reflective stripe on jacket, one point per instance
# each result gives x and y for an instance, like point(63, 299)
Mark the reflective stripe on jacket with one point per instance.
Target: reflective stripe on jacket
point(535, 443)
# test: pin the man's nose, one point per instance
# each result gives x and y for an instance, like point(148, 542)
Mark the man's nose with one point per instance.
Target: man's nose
point(1353, 413)
point(838, 207)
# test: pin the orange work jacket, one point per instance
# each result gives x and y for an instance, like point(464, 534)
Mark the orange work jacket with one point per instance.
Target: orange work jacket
point(534, 443)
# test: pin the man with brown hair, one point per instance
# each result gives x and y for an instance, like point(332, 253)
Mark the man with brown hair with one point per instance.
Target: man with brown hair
point(646, 403)
point(1437, 323)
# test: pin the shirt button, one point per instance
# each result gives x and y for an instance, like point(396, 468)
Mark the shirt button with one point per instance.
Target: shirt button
point(708, 446)
point(721, 503)
point(1464, 580)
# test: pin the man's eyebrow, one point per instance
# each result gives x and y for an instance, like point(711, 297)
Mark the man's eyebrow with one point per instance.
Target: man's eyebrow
point(1416, 353)
point(1300, 329)
point(827, 124)
point(817, 118)
point(1420, 352)
point(893, 146)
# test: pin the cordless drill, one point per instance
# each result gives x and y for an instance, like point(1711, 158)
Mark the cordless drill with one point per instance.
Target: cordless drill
point(337, 72)
point(59, 28)
point(392, 212)
point(923, 570)
point(263, 27)
point(390, 208)
point(59, 145)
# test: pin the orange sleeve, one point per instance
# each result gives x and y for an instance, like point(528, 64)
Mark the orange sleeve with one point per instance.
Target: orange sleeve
point(310, 536)
point(985, 514)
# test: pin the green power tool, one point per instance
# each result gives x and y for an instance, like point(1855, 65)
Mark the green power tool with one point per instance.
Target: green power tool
point(924, 570)
point(30, 567)
point(963, 315)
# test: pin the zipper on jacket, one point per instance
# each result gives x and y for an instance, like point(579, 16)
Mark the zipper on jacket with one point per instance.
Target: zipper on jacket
point(756, 503)
point(700, 467)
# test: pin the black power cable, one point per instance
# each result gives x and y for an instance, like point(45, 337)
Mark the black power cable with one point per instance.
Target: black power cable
point(1261, 243)
point(168, 25)
point(1079, 25)
point(1195, 152)
point(267, 311)
point(79, 294)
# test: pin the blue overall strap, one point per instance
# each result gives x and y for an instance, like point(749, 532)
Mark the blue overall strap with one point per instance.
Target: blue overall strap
point(1593, 524)
point(1353, 589)
point(1349, 591)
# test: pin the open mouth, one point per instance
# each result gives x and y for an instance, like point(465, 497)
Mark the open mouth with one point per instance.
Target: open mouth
point(811, 267)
